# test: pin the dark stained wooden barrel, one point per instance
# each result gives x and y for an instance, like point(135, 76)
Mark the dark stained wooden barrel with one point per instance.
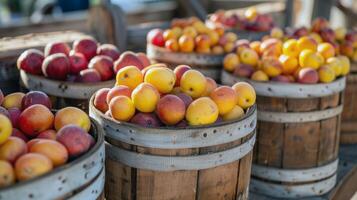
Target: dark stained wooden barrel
point(80, 179)
point(195, 163)
point(210, 65)
point(298, 135)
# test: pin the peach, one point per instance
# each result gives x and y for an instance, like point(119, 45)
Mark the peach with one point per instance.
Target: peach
point(193, 83)
point(33, 141)
point(146, 120)
point(120, 90)
point(57, 47)
point(163, 79)
point(307, 42)
point(241, 44)
point(345, 65)
point(308, 75)
point(316, 37)
point(200, 27)
point(213, 36)
point(346, 48)
point(179, 71)
point(72, 115)
point(340, 33)
point(156, 37)
point(5, 128)
point(35, 119)
point(290, 48)
point(56, 66)
point(19, 134)
point(203, 50)
point(53, 150)
point(225, 98)
point(217, 50)
point(13, 100)
point(145, 97)
point(236, 113)
point(108, 50)
point(228, 47)
point(230, 62)
point(186, 44)
point(251, 14)
point(169, 34)
point(289, 64)
point(272, 67)
point(104, 65)
point(271, 47)
point(177, 31)
point(202, 111)
point(170, 109)
point(128, 59)
point(7, 174)
point(89, 76)
point(189, 31)
point(249, 56)
point(202, 41)
point(31, 61)
point(219, 29)
point(335, 64)
point(76, 140)
point(326, 50)
point(47, 134)
point(187, 99)
point(277, 32)
point(35, 97)
point(144, 59)
point(32, 165)
point(255, 45)
point(245, 94)
point(210, 86)
point(12, 149)
point(130, 76)
point(259, 76)
point(100, 99)
point(122, 108)
point(308, 58)
point(326, 74)
point(243, 70)
point(318, 24)
point(282, 79)
point(77, 62)
point(327, 34)
point(231, 37)
point(172, 45)
point(86, 46)
point(156, 65)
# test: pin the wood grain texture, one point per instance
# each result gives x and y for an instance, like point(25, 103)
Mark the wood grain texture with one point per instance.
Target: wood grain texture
point(349, 115)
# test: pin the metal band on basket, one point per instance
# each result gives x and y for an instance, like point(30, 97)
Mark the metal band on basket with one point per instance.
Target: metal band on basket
point(93, 191)
point(289, 90)
point(174, 163)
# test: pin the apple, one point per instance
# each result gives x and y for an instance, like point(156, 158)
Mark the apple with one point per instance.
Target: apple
point(35, 97)
point(89, 76)
point(108, 50)
point(86, 46)
point(78, 62)
point(104, 65)
point(156, 37)
point(31, 61)
point(57, 47)
point(56, 66)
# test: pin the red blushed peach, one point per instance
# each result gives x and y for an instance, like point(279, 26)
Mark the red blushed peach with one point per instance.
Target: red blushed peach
point(47, 134)
point(120, 90)
point(146, 120)
point(86, 46)
point(19, 134)
point(308, 75)
point(100, 99)
point(187, 99)
point(171, 109)
point(104, 65)
point(108, 50)
point(12, 149)
point(210, 86)
point(72, 115)
point(75, 139)
point(57, 47)
point(32, 165)
point(144, 59)
point(14, 115)
point(52, 149)
point(35, 97)
point(127, 59)
point(243, 70)
point(7, 174)
point(13, 100)
point(31, 61)
point(225, 97)
point(35, 119)
point(179, 71)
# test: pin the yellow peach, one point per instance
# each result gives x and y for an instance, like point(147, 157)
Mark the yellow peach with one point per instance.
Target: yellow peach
point(130, 76)
point(189, 31)
point(145, 97)
point(72, 115)
point(122, 108)
point(5, 128)
point(289, 63)
point(210, 86)
point(277, 32)
point(230, 62)
point(326, 74)
point(202, 111)
point(214, 37)
point(163, 79)
point(290, 48)
point(308, 58)
point(272, 67)
point(7, 174)
point(249, 56)
point(345, 64)
point(236, 113)
point(225, 98)
point(245, 94)
point(186, 43)
point(259, 76)
point(13, 100)
point(193, 83)
point(335, 64)
point(326, 50)
point(340, 33)
point(307, 42)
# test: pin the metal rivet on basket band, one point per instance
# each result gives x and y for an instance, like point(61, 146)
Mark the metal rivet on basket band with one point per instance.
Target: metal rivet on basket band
point(299, 117)
point(295, 175)
point(63, 89)
point(174, 163)
point(92, 191)
point(176, 139)
point(163, 55)
point(293, 191)
point(289, 90)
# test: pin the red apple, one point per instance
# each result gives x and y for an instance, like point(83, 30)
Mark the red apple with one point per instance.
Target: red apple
point(146, 120)
point(100, 99)
point(104, 65)
point(179, 71)
point(35, 97)
point(86, 46)
point(89, 76)
point(127, 58)
point(78, 62)
point(156, 37)
point(144, 59)
point(31, 61)
point(56, 66)
point(108, 50)
point(57, 47)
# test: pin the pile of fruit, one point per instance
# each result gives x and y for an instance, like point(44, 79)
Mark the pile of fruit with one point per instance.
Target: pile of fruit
point(250, 20)
point(34, 141)
point(305, 57)
point(158, 96)
point(192, 35)
point(86, 62)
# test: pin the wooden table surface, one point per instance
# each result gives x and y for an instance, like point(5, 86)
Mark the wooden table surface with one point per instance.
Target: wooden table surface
point(347, 160)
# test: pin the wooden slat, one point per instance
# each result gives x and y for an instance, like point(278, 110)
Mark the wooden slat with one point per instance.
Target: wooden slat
point(330, 101)
point(301, 145)
point(301, 105)
point(271, 104)
point(327, 140)
point(245, 166)
point(118, 181)
point(350, 105)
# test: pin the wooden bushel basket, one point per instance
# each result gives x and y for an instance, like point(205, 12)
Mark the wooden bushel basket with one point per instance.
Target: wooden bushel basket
point(209, 65)
point(208, 162)
point(64, 93)
point(349, 114)
point(297, 137)
point(80, 179)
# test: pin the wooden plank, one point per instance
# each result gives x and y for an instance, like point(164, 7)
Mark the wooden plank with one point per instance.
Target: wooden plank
point(270, 144)
point(328, 137)
point(153, 185)
point(330, 101)
point(245, 166)
point(271, 104)
point(301, 145)
point(350, 106)
point(301, 105)
point(118, 181)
